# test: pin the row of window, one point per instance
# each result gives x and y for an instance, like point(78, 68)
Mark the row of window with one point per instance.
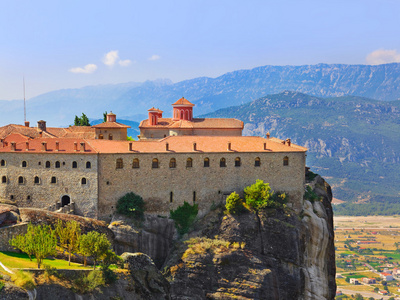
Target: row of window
point(57, 164)
point(37, 180)
point(189, 162)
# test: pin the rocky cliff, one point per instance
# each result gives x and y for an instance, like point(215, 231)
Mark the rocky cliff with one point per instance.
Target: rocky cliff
point(224, 257)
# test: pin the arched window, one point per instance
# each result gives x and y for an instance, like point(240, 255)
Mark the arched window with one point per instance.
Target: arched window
point(24, 164)
point(189, 163)
point(58, 164)
point(4, 179)
point(47, 164)
point(88, 165)
point(286, 161)
point(28, 197)
point(20, 180)
point(36, 180)
point(110, 137)
point(222, 163)
point(181, 114)
point(53, 179)
point(74, 165)
point(188, 115)
point(2, 163)
point(135, 163)
point(171, 197)
point(101, 136)
point(154, 163)
point(83, 180)
point(172, 163)
point(120, 163)
point(237, 162)
point(206, 162)
point(257, 162)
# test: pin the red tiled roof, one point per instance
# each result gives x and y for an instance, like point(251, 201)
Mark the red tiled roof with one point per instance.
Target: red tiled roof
point(16, 137)
point(206, 144)
point(183, 101)
point(198, 123)
point(111, 125)
point(155, 109)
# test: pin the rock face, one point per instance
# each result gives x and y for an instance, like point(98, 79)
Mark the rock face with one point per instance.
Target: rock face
point(290, 257)
point(154, 236)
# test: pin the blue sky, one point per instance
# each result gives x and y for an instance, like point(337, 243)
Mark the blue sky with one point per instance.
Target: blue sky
point(67, 44)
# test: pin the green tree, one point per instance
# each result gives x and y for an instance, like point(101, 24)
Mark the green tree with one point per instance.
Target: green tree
point(43, 241)
point(77, 121)
point(104, 116)
point(358, 297)
point(24, 242)
point(234, 205)
point(259, 196)
point(81, 121)
point(184, 216)
point(376, 289)
point(95, 245)
point(68, 236)
point(131, 205)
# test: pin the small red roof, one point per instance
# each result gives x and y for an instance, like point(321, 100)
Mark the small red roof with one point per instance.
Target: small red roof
point(155, 109)
point(183, 101)
point(111, 125)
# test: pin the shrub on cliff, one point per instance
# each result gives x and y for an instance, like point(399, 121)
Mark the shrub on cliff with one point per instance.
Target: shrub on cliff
point(131, 205)
point(234, 205)
point(184, 216)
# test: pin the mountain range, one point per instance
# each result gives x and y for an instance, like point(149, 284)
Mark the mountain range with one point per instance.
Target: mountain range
point(131, 100)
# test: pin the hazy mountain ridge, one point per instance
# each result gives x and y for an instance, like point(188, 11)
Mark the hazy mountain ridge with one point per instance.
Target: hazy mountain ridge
point(352, 139)
point(234, 88)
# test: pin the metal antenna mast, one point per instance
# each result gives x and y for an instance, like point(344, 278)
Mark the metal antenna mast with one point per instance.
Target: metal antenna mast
point(24, 100)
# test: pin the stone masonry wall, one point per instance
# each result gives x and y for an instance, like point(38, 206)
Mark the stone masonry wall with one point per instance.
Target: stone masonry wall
point(44, 194)
point(210, 184)
point(8, 233)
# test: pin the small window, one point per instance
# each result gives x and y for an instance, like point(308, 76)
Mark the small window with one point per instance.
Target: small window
point(154, 164)
point(2, 162)
point(47, 164)
point(53, 180)
point(36, 180)
point(20, 180)
point(28, 197)
point(194, 197)
point(286, 161)
point(135, 163)
point(58, 164)
point(83, 180)
point(4, 179)
point(120, 163)
point(74, 165)
point(24, 164)
point(206, 162)
point(257, 162)
point(101, 137)
point(172, 163)
point(222, 163)
point(237, 162)
point(88, 165)
point(189, 163)
point(11, 197)
point(171, 197)
point(110, 137)
point(39, 163)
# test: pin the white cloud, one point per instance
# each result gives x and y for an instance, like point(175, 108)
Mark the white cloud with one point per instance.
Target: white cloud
point(90, 68)
point(110, 58)
point(125, 63)
point(382, 56)
point(154, 57)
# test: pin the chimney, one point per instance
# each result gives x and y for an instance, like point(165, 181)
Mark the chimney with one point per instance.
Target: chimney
point(57, 146)
point(26, 123)
point(283, 142)
point(229, 146)
point(288, 142)
point(44, 146)
point(111, 117)
point(166, 147)
point(268, 135)
point(194, 146)
point(75, 146)
point(41, 125)
point(265, 146)
point(40, 133)
point(82, 146)
point(13, 146)
point(26, 146)
point(130, 146)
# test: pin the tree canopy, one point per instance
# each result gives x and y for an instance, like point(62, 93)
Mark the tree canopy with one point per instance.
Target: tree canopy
point(81, 121)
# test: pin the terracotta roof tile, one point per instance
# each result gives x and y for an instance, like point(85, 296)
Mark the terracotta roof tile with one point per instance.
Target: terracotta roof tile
point(111, 125)
point(199, 123)
point(183, 101)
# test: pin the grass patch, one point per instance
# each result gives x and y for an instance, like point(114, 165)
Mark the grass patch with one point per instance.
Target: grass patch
point(21, 260)
point(202, 245)
point(24, 280)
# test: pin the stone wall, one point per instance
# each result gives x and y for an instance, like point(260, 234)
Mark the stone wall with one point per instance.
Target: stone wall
point(117, 133)
point(199, 184)
point(8, 233)
point(44, 194)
